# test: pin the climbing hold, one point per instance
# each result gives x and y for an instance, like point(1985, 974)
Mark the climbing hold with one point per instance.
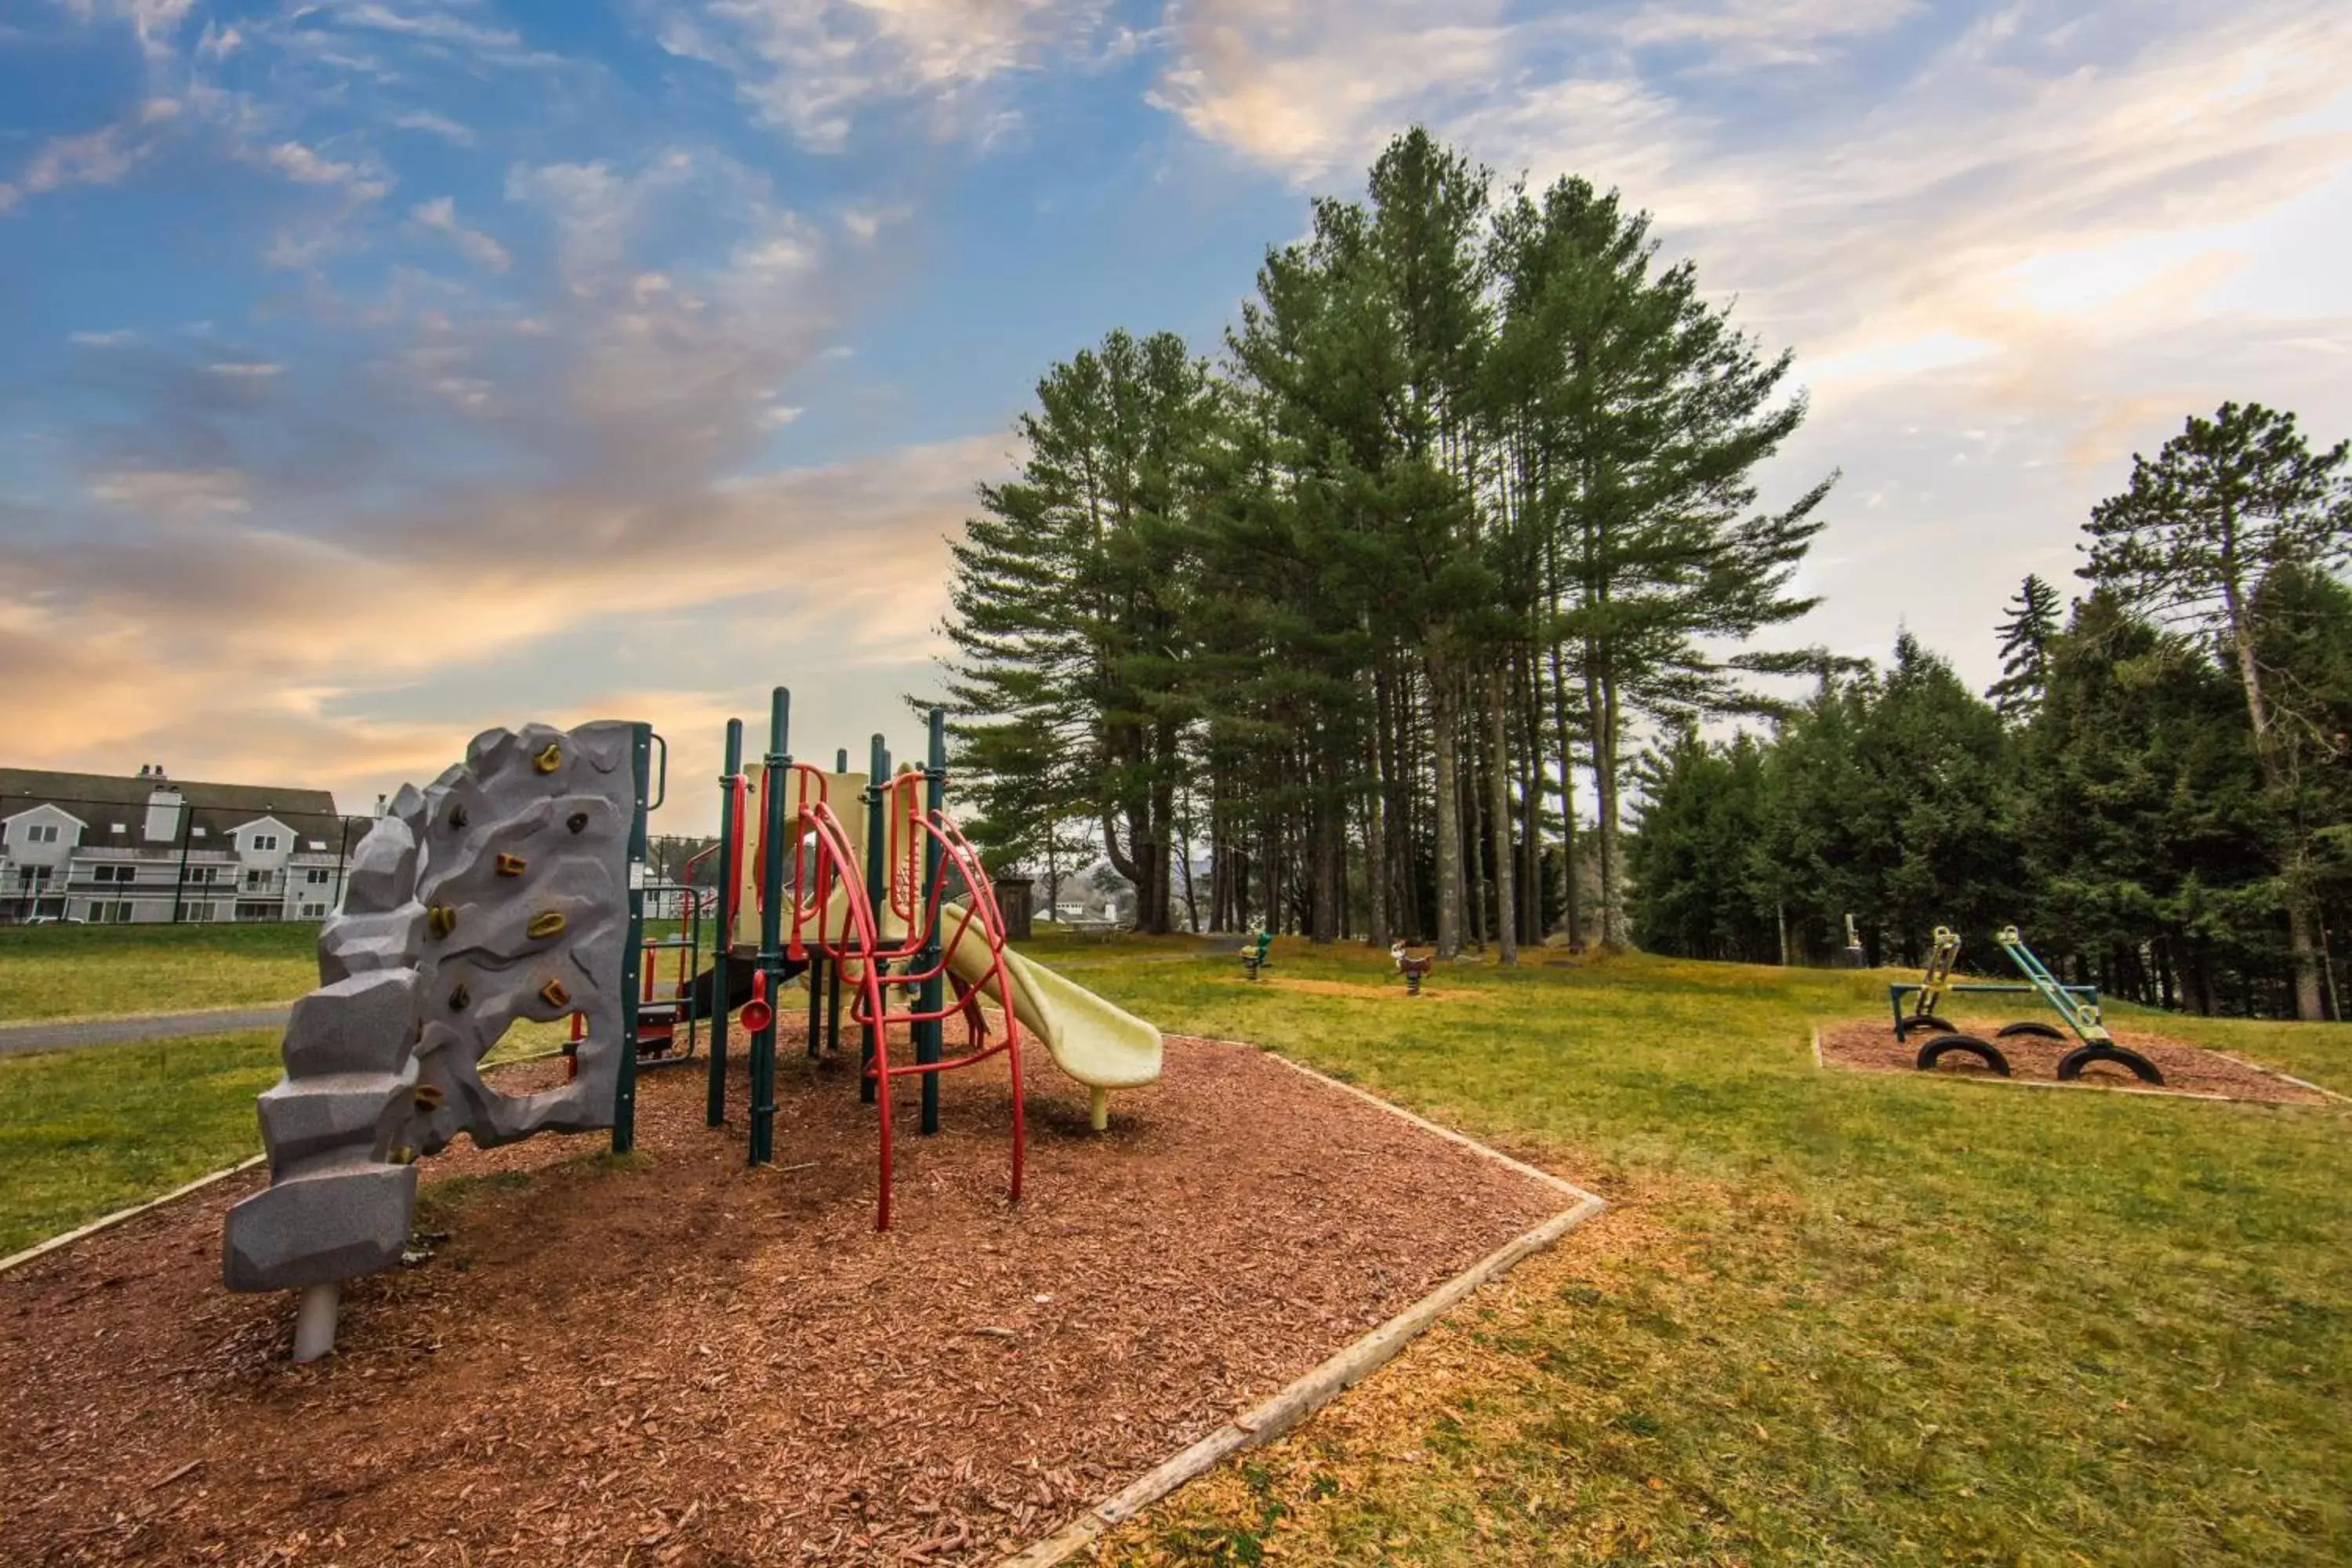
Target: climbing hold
point(458, 817)
point(510, 865)
point(458, 1000)
point(429, 1097)
point(548, 761)
point(553, 994)
point(441, 919)
point(576, 821)
point(401, 1154)
point(546, 923)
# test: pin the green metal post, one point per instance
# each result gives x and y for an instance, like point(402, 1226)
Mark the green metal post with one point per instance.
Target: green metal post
point(932, 1034)
point(715, 1102)
point(624, 1086)
point(814, 975)
point(778, 775)
point(878, 779)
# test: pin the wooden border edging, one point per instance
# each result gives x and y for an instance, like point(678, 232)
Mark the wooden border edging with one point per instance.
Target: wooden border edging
point(43, 1248)
point(1327, 1381)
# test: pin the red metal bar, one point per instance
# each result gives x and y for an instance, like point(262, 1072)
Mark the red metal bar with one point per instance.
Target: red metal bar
point(860, 942)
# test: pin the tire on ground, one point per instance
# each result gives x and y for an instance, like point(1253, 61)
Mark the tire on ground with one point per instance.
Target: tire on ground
point(1942, 1046)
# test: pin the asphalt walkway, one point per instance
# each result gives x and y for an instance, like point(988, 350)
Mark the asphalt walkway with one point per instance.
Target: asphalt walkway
point(65, 1033)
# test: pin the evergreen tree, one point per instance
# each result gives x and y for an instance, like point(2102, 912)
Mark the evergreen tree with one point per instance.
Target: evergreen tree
point(2025, 639)
point(2224, 502)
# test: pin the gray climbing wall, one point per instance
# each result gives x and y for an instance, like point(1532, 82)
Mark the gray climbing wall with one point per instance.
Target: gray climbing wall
point(500, 892)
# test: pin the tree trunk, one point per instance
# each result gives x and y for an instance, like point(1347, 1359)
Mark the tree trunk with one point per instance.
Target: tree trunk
point(1600, 699)
point(1571, 915)
point(1376, 828)
point(1499, 813)
point(1449, 812)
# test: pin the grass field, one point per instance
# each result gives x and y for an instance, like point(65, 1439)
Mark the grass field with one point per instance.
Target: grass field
point(1832, 1318)
point(94, 972)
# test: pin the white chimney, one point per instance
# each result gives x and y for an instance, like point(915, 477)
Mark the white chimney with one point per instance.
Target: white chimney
point(162, 815)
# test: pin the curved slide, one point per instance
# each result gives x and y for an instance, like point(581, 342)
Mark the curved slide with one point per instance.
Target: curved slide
point(1093, 1040)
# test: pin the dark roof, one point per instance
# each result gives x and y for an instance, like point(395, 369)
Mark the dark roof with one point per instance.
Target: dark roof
point(102, 799)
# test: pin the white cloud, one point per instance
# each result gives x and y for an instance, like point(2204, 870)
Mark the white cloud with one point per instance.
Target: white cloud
point(98, 157)
point(440, 215)
point(170, 495)
point(812, 67)
point(432, 124)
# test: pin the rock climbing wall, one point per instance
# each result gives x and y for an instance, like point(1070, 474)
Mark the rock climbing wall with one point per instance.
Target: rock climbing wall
point(498, 893)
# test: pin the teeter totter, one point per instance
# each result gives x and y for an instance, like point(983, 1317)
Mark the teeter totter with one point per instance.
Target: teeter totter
point(2078, 1006)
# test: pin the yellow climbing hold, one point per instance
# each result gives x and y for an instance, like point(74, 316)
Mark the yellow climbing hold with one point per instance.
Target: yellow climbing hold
point(554, 994)
point(545, 924)
point(551, 759)
point(429, 1096)
point(441, 919)
point(510, 865)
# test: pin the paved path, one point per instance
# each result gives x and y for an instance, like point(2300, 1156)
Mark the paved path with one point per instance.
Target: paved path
point(64, 1033)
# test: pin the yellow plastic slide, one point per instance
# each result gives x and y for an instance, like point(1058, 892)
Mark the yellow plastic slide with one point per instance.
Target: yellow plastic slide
point(1094, 1041)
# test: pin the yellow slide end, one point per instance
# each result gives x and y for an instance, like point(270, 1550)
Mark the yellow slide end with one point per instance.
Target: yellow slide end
point(1099, 1044)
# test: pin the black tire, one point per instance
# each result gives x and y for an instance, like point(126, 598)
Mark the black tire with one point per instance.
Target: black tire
point(2033, 1026)
point(1923, 1021)
point(1942, 1046)
point(2071, 1065)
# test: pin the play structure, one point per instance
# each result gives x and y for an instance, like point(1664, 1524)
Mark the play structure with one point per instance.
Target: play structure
point(516, 887)
point(2078, 1006)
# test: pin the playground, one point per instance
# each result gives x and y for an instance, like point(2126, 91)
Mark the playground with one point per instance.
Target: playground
point(1828, 1316)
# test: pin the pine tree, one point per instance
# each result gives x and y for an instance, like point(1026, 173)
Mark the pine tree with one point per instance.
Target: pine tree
point(2224, 502)
point(2025, 648)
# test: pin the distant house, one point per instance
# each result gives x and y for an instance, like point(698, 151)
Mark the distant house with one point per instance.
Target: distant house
point(149, 850)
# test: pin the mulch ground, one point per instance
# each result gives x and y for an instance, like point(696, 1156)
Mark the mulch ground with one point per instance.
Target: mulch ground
point(670, 1360)
point(1870, 1046)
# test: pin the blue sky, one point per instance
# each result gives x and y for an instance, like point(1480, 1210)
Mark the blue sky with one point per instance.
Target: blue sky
point(373, 372)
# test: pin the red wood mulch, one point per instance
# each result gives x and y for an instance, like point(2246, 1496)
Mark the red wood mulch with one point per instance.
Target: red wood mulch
point(682, 1363)
point(1870, 1046)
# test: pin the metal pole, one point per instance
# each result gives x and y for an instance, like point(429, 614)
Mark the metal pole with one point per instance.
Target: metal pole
point(625, 1087)
point(180, 886)
point(878, 778)
point(714, 1112)
point(931, 1034)
point(774, 781)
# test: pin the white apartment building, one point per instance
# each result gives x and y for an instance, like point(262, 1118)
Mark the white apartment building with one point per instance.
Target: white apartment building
point(148, 850)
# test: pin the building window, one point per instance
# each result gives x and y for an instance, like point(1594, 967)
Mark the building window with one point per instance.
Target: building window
point(263, 842)
point(202, 874)
point(316, 877)
point(113, 873)
point(314, 911)
point(40, 833)
point(114, 913)
point(256, 879)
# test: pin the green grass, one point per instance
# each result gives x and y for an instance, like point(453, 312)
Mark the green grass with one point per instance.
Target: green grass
point(85, 1132)
point(1834, 1318)
point(91, 971)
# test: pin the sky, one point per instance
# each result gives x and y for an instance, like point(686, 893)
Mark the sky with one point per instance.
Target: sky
point(373, 372)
